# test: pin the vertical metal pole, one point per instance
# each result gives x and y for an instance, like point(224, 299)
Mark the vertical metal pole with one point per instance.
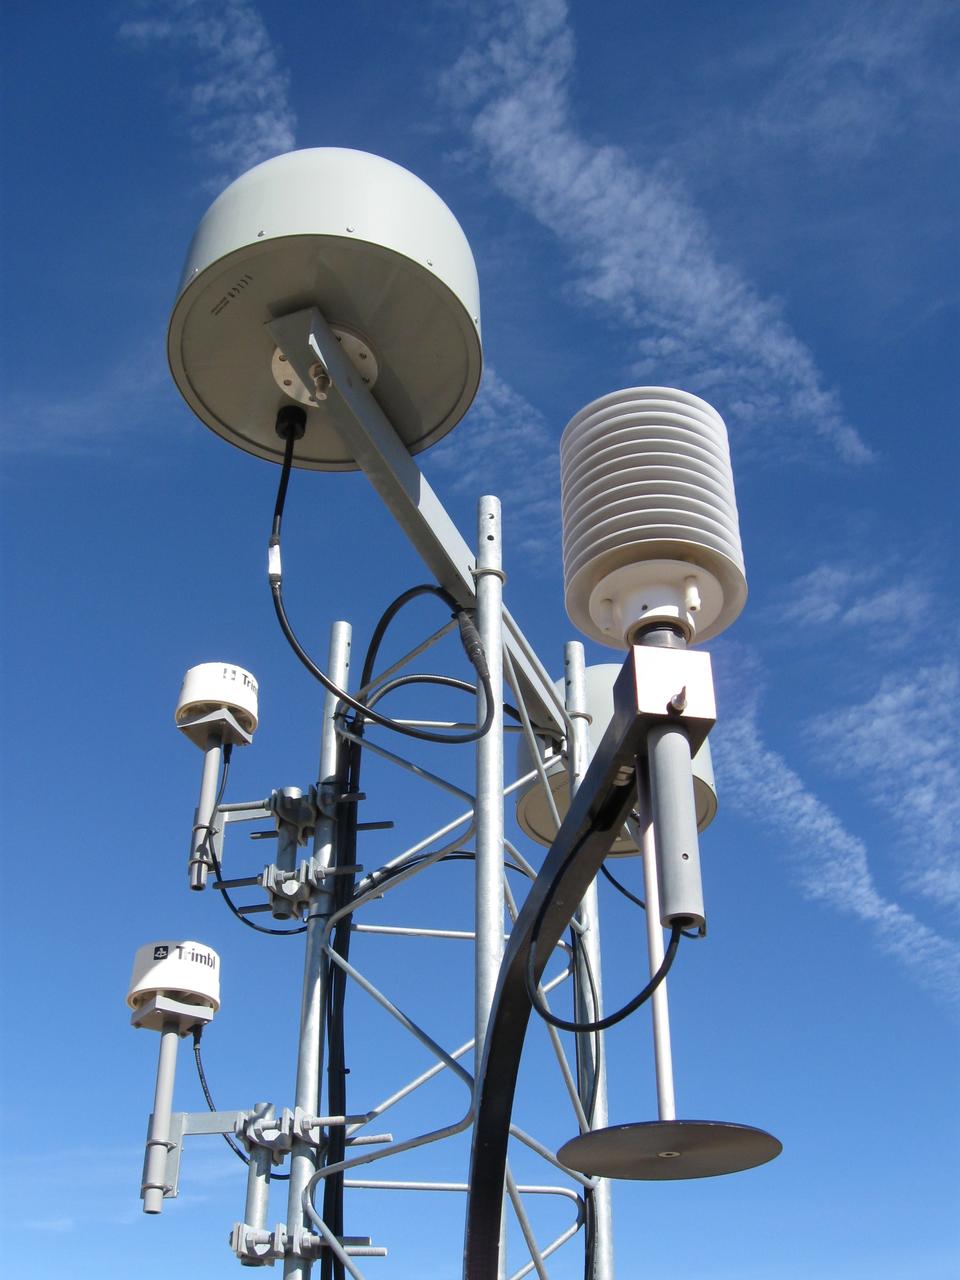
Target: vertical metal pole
point(666, 638)
point(660, 1010)
point(591, 1067)
point(288, 850)
point(287, 833)
point(489, 811)
point(199, 864)
point(258, 1182)
point(158, 1137)
point(303, 1161)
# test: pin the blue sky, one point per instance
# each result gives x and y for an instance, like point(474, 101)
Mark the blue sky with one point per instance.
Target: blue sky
point(755, 202)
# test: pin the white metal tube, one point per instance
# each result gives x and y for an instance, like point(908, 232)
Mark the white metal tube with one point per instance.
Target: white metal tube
point(591, 1067)
point(536, 1257)
point(158, 1137)
point(199, 860)
point(489, 799)
point(410, 1087)
point(659, 1007)
point(288, 846)
point(303, 1160)
point(288, 849)
point(258, 1178)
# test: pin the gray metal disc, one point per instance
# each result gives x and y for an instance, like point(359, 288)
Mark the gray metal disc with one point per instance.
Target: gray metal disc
point(663, 1150)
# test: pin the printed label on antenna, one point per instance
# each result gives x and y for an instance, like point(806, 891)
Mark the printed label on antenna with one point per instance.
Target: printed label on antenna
point(234, 291)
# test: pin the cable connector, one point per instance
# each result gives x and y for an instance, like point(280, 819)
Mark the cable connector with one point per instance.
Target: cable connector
point(472, 644)
point(274, 567)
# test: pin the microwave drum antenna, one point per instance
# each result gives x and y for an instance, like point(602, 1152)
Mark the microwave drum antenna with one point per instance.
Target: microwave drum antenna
point(385, 262)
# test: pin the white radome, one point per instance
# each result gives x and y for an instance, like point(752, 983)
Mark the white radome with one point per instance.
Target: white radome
point(383, 259)
point(188, 972)
point(218, 686)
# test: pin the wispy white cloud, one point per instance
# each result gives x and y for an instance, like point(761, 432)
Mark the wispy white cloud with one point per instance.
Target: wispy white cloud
point(851, 76)
point(831, 863)
point(233, 96)
point(891, 724)
point(641, 250)
point(504, 446)
point(51, 1226)
point(860, 596)
point(108, 1194)
point(235, 99)
point(900, 744)
point(92, 420)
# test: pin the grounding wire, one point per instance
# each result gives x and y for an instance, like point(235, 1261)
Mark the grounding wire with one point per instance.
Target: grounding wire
point(462, 855)
point(448, 682)
point(336, 1070)
point(590, 1233)
point(388, 615)
point(632, 897)
point(331, 1268)
point(258, 928)
point(611, 1020)
point(622, 888)
point(218, 870)
point(580, 956)
point(446, 739)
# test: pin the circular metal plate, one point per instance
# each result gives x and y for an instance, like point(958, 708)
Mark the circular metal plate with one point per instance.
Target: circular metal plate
point(667, 1150)
point(358, 353)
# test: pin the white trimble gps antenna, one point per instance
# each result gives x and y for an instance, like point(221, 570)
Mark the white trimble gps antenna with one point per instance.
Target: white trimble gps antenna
point(217, 707)
point(328, 320)
point(175, 988)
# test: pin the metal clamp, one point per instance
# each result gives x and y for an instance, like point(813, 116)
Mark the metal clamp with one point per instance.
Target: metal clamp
point(261, 1248)
point(296, 811)
point(488, 572)
point(254, 1247)
point(290, 891)
point(670, 685)
point(309, 1129)
point(328, 797)
point(273, 1133)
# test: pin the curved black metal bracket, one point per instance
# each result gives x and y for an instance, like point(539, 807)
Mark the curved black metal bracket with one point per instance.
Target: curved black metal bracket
point(599, 810)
